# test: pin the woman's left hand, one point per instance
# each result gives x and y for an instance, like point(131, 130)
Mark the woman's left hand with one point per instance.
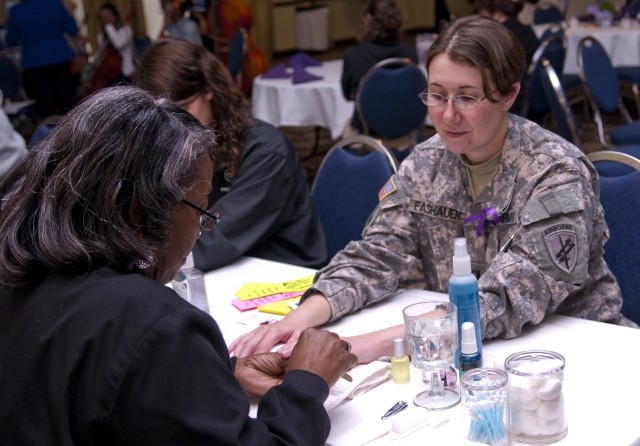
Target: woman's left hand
point(258, 373)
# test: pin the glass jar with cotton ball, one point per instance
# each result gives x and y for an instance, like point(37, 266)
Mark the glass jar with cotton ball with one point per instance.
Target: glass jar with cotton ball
point(536, 379)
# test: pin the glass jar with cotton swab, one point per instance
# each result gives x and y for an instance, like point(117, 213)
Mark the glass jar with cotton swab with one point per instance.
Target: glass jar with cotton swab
point(485, 406)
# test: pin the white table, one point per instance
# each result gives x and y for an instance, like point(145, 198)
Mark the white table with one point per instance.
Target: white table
point(317, 103)
point(601, 392)
point(621, 44)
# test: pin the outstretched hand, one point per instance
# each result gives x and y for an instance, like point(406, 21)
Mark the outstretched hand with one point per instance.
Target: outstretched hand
point(265, 337)
point(313, 312)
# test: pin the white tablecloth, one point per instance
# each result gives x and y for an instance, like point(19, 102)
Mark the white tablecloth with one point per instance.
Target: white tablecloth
point(621, 44)
point(601, 396)
point(317, 103)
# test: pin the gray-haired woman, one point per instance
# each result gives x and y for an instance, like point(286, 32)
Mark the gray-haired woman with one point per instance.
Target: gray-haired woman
point(94, 349)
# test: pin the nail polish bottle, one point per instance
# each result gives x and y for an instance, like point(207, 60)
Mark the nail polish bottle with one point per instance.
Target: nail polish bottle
point(399, 363)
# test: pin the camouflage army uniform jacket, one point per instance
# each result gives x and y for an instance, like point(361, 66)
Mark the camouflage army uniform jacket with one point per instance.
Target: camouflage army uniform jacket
point(546, 194)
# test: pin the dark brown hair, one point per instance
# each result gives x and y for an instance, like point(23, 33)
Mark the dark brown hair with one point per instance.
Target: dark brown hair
point(510, 8)
point(385, 22)
point(180, 69)
point(487, 45)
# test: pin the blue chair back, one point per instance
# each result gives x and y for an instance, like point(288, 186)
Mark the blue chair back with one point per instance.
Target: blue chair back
point(345, 190)
point(608, 167)
point(560, 107)
point(552, 49)
point(598, 74)
point(547, 13)
point(387, 101)
point(621, 204)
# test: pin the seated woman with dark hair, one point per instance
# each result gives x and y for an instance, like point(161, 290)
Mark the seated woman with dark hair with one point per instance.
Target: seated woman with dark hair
point(506, 12)
point(261, 187)
point(380, 39)
point(94, 348)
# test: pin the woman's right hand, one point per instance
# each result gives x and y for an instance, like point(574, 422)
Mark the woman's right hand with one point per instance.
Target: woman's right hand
point(323, 353)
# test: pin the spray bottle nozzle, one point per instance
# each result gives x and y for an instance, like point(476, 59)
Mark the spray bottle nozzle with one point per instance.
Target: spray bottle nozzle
point(461, 259)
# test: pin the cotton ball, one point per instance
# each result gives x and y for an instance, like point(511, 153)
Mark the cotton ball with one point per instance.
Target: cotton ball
point(550, 389)
point(551, 409)
point(526, 423)
point(522, 391)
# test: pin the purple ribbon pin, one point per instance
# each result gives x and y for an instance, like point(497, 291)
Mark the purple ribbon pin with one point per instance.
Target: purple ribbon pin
point(487, 213)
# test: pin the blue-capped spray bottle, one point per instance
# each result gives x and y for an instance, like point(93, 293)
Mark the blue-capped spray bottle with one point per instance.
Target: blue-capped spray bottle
point(463, 292)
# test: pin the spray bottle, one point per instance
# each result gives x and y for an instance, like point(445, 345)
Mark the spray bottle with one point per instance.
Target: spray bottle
point(463, 292)
point(470, 357)
point(189, 284)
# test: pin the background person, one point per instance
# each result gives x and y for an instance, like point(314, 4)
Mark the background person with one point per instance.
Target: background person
point(263, 190)
point(12, 145)
point(483, 160)
point(506, 12)
point(113, 62)
point(94, 348)
point(40, 27)
point(177, 24)
point(380, 39)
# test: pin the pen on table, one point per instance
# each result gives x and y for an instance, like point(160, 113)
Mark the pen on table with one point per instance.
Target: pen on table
point(506, 246)
point(270, 321)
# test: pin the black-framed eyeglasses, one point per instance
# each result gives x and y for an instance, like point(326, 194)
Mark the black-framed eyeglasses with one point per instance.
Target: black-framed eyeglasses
point(461, 102)
point(208, 219)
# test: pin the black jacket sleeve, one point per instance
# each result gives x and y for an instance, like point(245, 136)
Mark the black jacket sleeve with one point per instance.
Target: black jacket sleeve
point(179, 389)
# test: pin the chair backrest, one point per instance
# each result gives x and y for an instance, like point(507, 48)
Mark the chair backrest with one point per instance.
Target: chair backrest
point(613, 163)
point(621, 204)
point(10, 82)
point(547, 13)
point(346, 186)
point(140, 44)
point(387, 101)
point(551, 48)
point(237, 52)
point(560, 107)
point(598, 74)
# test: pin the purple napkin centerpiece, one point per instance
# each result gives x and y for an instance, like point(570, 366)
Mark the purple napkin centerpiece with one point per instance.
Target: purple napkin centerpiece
point(300, 75)
point(303, 60)
point(277, 72)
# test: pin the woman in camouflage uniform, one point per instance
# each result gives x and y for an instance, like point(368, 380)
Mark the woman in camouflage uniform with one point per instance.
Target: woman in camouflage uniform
point(526, 200)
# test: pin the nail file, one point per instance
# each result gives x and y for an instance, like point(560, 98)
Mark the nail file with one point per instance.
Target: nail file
point(409, 422)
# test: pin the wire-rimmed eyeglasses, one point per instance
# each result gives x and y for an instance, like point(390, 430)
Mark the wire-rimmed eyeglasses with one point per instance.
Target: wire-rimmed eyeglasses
point(461, 102)
point(208, 219)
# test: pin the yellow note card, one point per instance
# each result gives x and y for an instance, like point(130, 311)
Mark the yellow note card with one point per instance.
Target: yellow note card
point(282, 307)
point(254, 290)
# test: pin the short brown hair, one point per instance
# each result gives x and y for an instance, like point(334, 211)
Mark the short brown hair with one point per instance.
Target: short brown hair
point(487, 45)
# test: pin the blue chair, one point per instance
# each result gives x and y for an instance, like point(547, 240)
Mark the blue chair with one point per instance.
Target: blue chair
point(547, 13)
point(140, 44)
point(552, 47)
point(603, 90)
point(560, 107)
point(15, 102)
point(345, 189)
point(621, 204)
point(387, 101)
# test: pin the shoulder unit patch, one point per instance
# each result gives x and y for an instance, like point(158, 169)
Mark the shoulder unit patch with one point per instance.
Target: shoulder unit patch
point(560, 240)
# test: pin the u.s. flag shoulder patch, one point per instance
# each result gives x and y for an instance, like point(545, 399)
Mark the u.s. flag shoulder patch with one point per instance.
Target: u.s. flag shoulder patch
point(389, 188)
